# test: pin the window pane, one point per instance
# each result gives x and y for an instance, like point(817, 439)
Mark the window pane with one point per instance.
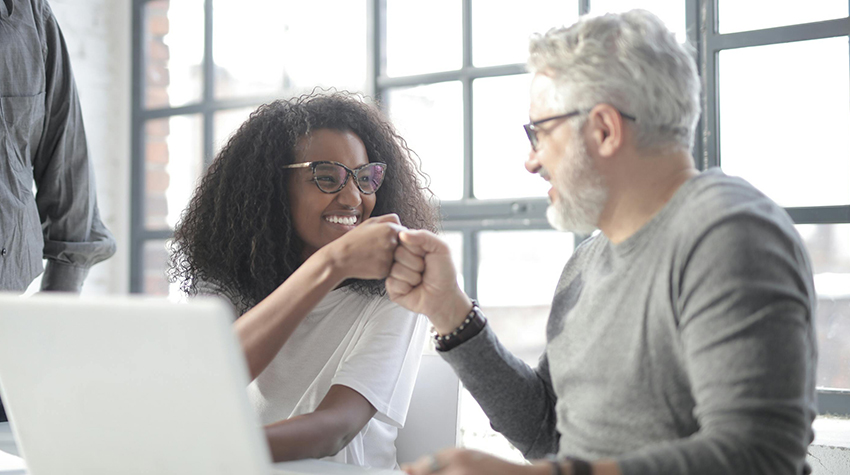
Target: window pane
point(500, 146)
point(423, 36)
point(521, 268)
point(226, 123)
point(174, 52)
point(173, 163)
point(784, 117)
point(494, 43)
point(671, 12)
point(742, 15)
point(476, 433)
point(155, 263)
point(829, 248)
point(517, 275)
point(430, 118)
point(269, 47)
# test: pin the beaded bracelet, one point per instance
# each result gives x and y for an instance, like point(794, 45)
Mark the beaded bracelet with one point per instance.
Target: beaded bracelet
point(471, 326)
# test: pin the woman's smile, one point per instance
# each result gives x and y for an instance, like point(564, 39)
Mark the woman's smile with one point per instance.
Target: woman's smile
point(319, 217)
point(346, 221)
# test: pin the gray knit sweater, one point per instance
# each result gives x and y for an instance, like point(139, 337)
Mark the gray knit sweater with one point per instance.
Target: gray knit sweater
point(687, 349)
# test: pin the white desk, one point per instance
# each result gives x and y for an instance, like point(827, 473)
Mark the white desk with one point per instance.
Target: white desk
point(11, 464)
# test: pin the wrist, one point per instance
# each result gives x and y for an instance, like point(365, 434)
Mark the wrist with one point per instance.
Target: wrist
point(447, 320)
point(332, 264)
point(468, 329)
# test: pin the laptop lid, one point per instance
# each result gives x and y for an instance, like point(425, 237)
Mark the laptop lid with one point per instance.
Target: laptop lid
point(127, 385)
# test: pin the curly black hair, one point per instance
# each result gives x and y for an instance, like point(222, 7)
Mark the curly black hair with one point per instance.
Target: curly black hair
point(237, 231)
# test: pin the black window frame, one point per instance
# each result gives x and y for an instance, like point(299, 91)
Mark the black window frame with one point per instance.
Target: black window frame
point(471, 216)
point(207, 107)
point(711, 43)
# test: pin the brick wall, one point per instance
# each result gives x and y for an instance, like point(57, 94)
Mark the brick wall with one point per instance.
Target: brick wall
point(156, 26)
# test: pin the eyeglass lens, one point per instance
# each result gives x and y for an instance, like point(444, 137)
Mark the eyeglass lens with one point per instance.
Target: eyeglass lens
point(532, 135)
point(331, 177)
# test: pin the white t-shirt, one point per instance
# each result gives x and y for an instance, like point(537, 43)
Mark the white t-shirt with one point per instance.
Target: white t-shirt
point(368, 344)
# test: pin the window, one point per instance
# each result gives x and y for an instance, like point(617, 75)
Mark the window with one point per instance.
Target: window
point(783, 71)
point(776, 85)
point(200, 67)
point(472, 87)
point(449, 96)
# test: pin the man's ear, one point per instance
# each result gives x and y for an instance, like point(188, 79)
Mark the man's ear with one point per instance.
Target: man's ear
point(606, 130)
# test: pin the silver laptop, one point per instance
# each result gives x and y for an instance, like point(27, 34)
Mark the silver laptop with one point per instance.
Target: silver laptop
point(131, 385)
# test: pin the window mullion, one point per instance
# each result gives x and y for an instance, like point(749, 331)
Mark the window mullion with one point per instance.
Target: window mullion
point(692, 20)
point(470, 262)
point(378, 46)
point(209, 85)
point(137, 184)
point(711, 114)
point(468, 172)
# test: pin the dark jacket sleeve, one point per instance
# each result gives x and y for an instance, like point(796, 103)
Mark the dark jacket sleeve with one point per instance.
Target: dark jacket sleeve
point(74, 236)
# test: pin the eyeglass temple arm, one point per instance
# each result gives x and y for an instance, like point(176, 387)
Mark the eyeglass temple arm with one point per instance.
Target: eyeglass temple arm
point(298, 165)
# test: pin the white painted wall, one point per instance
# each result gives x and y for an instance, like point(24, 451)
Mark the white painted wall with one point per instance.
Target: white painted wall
point(98, 34)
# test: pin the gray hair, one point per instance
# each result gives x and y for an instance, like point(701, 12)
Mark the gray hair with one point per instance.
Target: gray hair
point(630, 61)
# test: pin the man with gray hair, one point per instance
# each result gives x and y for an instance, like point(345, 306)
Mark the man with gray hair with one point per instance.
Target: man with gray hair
point(680, 339)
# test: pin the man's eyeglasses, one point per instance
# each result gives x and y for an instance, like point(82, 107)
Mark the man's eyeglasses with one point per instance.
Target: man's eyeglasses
point(331, 177)
point(532, 128)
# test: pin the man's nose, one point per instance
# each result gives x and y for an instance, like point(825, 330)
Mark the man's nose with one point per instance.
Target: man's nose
point(532, 164)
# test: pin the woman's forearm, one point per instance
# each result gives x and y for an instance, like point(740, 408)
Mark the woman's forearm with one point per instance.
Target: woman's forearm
point(342, 413)
point(365, 252)
point(305, 436)
point(264, 329)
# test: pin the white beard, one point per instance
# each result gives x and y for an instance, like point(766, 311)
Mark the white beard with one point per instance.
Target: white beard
point(581, 193)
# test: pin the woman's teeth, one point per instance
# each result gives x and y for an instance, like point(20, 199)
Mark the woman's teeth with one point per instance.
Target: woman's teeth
point(346, 220)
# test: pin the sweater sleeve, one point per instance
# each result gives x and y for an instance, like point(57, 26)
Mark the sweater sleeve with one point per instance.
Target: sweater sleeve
point(518, 400)
point(745, 306)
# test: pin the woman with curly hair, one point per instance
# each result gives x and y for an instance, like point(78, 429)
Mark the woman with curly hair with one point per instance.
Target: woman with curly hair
point(296, 222)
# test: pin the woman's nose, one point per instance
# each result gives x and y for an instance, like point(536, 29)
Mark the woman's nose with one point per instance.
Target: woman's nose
point(349, 195)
